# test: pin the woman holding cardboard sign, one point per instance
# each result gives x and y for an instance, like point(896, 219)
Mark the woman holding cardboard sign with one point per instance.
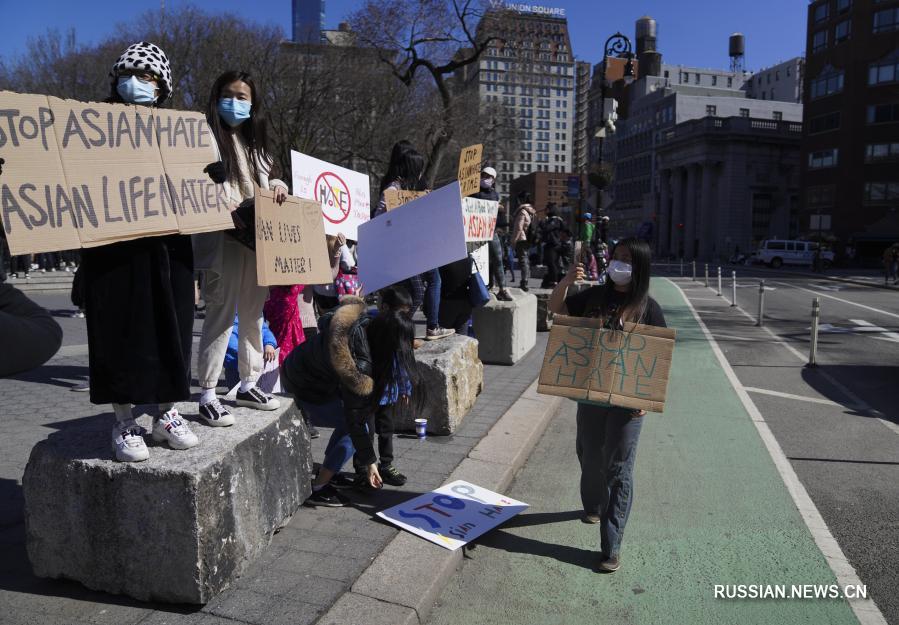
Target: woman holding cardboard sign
point(607, 435)
point(237, 119)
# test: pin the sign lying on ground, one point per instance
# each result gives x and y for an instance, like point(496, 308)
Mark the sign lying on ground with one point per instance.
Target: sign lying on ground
point(343, 193)
point(469, 174)
point(627, 368)
point(397, 197)
point(414, 238)
point(83, 174)
point(480, 218)
point(290, 242)
point(453, 515)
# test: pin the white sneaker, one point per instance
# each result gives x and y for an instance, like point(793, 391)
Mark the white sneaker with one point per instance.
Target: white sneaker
point(215, 414)
point(254, 398)
point(172, 428)
point(128, 442)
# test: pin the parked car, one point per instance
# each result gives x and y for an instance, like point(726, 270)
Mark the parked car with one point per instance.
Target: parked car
point(778, 252)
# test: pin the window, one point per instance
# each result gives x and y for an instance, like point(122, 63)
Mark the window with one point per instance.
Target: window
point(744, 112)
point(822, 196)
point(824, 123)
point(730, 81)
point(775, 245)
point(768, 77)
point(885, 21)
point(843, 6)
point(841, 31)
point(828, 83)
point(881, 191)
point(698, 77)
point(884, 71)
point(714, 80)
point(819, 42)
point(778, 116)
point(881, 152)
point(883, 113)
point(822, 12)
point(711, 110)
point(777, 75)
point(823, 158)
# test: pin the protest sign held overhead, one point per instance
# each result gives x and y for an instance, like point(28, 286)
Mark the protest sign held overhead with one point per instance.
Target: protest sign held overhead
point(84, 174)
point(480, 218)
point(397, 197)
point(469, 174)
point(409, 240)
point(627, 368)
point(453, 515)
point(342, 193)
point(290, 242)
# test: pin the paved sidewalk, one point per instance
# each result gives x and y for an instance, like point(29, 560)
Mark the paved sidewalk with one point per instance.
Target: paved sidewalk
point(710, 508)
point(310, 563)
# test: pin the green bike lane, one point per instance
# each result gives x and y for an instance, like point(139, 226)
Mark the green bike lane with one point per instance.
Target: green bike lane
point(710, 507)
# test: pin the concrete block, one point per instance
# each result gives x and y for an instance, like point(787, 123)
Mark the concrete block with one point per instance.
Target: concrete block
point(355, 609)
point(544, 315)
point(453, 377)
point(506, 330)
point(179, 527)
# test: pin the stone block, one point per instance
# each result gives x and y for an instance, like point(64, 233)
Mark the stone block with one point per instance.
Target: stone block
point(544, 315)
point(506, 330)
point(179, 527)
point(453, 377)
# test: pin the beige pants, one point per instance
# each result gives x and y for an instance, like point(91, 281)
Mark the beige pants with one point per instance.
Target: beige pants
point(235, 292)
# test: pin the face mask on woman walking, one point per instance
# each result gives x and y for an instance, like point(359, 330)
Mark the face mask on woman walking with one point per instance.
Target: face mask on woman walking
point(620, 272)
point(136, 91)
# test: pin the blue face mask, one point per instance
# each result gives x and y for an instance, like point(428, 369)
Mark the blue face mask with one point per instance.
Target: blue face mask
point(133, 91)
point(234, 111)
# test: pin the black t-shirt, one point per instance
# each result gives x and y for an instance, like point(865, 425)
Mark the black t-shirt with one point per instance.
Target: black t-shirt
point(593, 302)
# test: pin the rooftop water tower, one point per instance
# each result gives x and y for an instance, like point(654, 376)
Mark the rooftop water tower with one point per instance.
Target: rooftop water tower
point(737, 52)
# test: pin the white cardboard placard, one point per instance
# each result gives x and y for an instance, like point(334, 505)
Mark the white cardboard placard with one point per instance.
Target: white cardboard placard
point(344, 194)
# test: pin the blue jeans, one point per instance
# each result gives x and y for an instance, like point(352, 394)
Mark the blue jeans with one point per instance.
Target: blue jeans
point(330, 415)
point(607, 448)
point(432, 297)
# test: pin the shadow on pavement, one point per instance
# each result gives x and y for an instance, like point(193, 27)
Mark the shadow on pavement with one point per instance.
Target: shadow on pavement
point(542, 518)
point(56, 375)
point(500, 539)
point(876, 384)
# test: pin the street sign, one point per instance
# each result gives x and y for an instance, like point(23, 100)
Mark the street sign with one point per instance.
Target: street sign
point(574, 186)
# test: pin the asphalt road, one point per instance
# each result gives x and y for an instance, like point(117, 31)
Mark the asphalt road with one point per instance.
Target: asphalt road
point(837, 423)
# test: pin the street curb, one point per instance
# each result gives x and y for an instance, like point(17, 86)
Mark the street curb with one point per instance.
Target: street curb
point(404, 581)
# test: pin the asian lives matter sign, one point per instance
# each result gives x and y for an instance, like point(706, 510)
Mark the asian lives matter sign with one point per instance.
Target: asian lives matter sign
point(83, 174)
point(343, 194)
point(454, 514)
point(627, 368)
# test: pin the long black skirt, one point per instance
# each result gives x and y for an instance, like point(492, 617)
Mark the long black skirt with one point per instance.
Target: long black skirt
point(139, 305)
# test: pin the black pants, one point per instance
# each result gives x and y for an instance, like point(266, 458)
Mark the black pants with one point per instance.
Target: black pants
point(551, 260)
point(381, 423)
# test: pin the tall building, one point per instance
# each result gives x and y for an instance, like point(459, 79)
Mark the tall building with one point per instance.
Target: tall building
point(581, 145)
point(782, 82)
point(850, 145)
point(308, 21)
point(530, 72)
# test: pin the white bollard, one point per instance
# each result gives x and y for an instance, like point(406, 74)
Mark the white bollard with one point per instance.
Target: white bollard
point(719, 281)
point(682, 267)
point(694, 271)
point(733, 286)
point(761, 303)
point(813, 345)
point(706, 275)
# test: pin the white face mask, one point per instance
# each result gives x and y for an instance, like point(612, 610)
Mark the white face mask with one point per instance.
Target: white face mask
point(619, 272)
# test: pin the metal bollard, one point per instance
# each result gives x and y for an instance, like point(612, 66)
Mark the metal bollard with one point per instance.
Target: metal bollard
point(719, 281)
point(694, 271)
point(733, 286)
point(813, 346)
point(706, 275)
point(761, 303)
point(681, 267)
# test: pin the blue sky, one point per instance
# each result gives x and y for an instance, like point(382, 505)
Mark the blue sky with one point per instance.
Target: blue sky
point(691, 32)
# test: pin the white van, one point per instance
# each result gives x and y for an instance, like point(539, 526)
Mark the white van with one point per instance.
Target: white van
point(777, 252)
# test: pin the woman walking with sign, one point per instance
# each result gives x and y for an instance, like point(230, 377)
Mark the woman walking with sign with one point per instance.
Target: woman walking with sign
point(237, 118)
point(607, 435)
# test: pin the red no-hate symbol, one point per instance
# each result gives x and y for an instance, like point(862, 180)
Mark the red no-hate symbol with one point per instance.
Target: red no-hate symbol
point(334, 195)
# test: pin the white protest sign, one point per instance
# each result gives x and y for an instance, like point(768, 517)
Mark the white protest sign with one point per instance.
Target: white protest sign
point(480, 218)
point(344, 194)
point(481, 257)
point(412, 238)
point(453, 515)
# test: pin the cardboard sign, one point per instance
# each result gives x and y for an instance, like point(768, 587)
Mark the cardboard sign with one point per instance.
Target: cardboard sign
point(409, 240)
point(290, 242)
point(627, 368)
point(84, 174)
point(397, 197)
point(480, 218)
point(481, 256)
point(343, 194)
point(469, 174)
point(453, 515)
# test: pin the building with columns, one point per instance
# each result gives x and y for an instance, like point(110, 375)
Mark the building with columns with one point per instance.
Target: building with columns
point(725, 184)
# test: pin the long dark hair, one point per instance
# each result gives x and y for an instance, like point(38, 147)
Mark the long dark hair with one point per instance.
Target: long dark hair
point(254, 131)
point(390, 339)
point(634, 305)
point(406, 165)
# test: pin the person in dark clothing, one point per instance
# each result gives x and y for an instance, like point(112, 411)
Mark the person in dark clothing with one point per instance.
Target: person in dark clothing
point(29, 335)
point(497, 273)
point(455, 306)
point(607, 436)
point(551, 237)
point(339, 378)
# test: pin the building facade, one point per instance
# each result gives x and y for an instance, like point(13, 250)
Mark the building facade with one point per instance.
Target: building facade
point(850, 147)
point(782, 82)
point(307, 20)
point(548, 188)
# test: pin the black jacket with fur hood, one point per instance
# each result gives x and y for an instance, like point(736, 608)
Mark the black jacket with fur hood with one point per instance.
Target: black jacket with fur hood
point(336, 363)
